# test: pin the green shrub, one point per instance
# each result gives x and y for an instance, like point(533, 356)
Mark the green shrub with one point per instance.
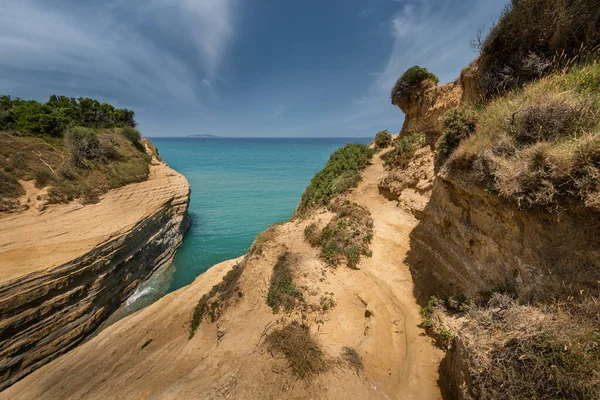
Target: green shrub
point(214, 302)
point(53, 117)
point(83, 145)
point(532, 37)
point(282, 291)
point(404, 149)
point(410, 81)
point(347, 236)
point(383, 139)
point(10, 186)
point(460, 123)
point(339, 174)
point(43, 177)
point(134, 136)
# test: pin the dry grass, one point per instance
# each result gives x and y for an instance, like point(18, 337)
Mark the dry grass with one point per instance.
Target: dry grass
point(213, 303)
point(112, 161)
point(532, 37)
point(283, 293)
point(353, 359)
point(541, 351)
point(302, 352)
point(540, 145)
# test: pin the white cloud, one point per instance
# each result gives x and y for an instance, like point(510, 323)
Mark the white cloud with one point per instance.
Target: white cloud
point(109, 47)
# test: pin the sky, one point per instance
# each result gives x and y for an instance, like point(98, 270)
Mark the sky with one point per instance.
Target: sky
point(242, 68)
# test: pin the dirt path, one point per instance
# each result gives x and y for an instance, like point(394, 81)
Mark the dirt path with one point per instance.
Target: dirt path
point(149, 355)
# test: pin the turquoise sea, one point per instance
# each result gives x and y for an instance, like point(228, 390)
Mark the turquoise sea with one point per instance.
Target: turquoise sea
point(240, 186)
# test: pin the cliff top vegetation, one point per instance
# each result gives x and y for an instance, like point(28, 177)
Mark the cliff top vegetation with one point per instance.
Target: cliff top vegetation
point(76, 148)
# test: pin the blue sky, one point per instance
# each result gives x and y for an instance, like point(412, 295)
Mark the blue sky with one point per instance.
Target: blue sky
point(237, 67)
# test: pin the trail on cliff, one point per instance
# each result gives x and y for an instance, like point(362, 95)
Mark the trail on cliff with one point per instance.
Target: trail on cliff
point(148, 354)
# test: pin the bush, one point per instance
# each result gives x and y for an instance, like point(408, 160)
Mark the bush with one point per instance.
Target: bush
point(460, 123)
point(532, 36)
point(404, 149)
point(83, 145)
point(347, 236)
point(282, 291)
point(339, 174)
point(383, 139)
point(43, 177)
point(134, 136)
point(301, 350)
point(10, 186)
point(410, 81)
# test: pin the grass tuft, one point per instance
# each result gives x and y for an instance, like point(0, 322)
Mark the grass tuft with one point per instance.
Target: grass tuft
point(304, 355)
point(283, 294)
point(540, 146)
point(213, 303)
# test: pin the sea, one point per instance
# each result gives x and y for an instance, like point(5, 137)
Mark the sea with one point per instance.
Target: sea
point(240, 186)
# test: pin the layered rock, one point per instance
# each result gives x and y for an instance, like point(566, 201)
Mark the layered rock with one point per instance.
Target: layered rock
point(65, 270)
point(470, 241)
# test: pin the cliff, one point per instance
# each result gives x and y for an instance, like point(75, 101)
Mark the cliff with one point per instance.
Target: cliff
point(369, 313)
point(469, 240)
point(65, 269)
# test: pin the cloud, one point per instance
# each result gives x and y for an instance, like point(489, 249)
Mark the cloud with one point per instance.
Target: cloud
point(114, 50)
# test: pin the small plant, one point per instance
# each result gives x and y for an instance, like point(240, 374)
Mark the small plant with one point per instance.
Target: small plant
point(459, 123)
point(347, 236)
point(301, 350)
point(312, 234)
point(410, 81)
point(383, 139)
point(404, 149)
point(282, 291)
point(214, 302)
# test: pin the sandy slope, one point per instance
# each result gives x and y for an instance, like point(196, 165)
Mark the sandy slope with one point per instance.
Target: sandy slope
point(34, 240)
point(230, 360)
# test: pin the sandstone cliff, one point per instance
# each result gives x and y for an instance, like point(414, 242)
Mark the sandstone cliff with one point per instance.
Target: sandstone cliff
point(372, 311)
point(470, 241)
point(64, 270)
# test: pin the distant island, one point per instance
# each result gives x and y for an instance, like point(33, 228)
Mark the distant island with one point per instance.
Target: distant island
point(203, 136)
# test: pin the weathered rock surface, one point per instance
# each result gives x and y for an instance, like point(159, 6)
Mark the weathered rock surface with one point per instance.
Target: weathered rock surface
point(63, 271)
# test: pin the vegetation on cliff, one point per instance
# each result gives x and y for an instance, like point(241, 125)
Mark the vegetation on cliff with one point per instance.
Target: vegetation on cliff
point(283, 293)
point(383, 139)
point(346, 237)
point(403, 150)
point(532, 37)
point(510, 350)
point(540, 145)
point(341, 173)
point(59, 113)
point(409, 81)
point(77, 148)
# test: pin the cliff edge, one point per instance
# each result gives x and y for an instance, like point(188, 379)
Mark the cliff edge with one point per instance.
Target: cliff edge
point(65, 269)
